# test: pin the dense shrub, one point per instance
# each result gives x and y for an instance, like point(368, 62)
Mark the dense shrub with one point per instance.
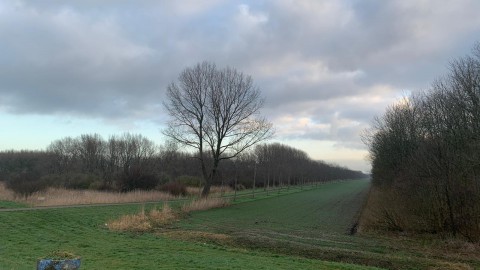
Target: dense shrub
point(191, 181)
point(137, 179)
point(174, 188)
point(25, 183)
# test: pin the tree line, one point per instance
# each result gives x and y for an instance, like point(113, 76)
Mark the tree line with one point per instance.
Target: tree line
point(132, 161)
point(425, 153)
point(213, 111)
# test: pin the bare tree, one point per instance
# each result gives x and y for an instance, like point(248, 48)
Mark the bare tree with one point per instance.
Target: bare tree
point(425, 153)
point(215, 111)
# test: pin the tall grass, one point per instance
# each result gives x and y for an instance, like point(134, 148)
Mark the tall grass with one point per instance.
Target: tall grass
point(5, 193)
point(197, 191)
point(205, 204)
point(132, 223)
point(143, 222)
point(146, 222)
point(61, 196)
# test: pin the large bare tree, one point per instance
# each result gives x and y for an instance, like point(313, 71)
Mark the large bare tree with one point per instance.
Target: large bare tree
point(216, 112)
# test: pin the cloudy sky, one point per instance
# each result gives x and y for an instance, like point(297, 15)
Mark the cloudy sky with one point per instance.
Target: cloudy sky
point(326, 68)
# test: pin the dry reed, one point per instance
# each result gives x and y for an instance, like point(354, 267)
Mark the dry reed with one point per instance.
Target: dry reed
point(61, 196)
point(5, 193)
point(142, 222)
point(164, 217)
point(197, 191)
point(132, 223)
point(205, 204)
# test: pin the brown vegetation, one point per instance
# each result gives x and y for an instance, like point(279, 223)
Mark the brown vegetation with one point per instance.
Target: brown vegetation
point(145, 222)
point(174, 188)
point(132, 223)
point(61, 196)
point(205, 204)
point(5, 193)
point(199, 236)
point(197, 191)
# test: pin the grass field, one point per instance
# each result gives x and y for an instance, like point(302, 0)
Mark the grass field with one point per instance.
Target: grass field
point(27, 235)
point(316, 224)
point(291, 230)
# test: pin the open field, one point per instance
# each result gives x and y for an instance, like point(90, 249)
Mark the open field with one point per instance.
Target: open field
point(27, 235)
point(317, 223)
point(291, 230)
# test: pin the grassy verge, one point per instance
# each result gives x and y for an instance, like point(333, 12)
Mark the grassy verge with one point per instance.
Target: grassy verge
point(12, 205)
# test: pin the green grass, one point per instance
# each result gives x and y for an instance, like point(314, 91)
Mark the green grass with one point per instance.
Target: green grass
point(331, 208)
point(316, 224)
point(293, 229)
point(26, 236)
point(12, 205)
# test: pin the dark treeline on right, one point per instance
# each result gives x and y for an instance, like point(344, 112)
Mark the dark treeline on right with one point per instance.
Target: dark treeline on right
point(425, 154)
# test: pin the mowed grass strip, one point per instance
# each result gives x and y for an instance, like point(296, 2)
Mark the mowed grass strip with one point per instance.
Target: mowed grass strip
point(329, 208)
point(26, 236)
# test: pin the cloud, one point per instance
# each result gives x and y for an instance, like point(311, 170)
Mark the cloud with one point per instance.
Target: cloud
point(325, 67)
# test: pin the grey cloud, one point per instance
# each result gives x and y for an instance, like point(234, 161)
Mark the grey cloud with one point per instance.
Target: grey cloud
point(113, 59)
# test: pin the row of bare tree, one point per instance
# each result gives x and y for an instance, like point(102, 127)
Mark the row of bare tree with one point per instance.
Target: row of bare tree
point(425, 153)
point(130, 162)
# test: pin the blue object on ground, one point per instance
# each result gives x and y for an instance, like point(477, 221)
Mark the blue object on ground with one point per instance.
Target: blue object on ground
point(47, 264)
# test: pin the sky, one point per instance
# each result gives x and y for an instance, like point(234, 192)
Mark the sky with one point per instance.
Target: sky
point(325, 68)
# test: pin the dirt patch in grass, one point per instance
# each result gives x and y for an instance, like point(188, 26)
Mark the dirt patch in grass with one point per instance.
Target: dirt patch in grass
point(199, 236)
point(399, 261)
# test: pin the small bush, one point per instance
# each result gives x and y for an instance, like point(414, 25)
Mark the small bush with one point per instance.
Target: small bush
point(80, 180)
point(25, 183)
point(174, 188)
point(147, 181)
point(97, 185)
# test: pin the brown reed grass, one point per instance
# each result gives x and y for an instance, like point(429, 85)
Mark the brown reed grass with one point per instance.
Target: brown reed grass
point(160, 218)
point(197, 191)
point(5, 193)
point(61, 196)
point(142, 222)
point(132, 223)
point(205, 204)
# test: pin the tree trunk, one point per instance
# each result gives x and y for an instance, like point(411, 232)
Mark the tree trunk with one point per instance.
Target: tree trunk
point(206, 188)
point(209, 178)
